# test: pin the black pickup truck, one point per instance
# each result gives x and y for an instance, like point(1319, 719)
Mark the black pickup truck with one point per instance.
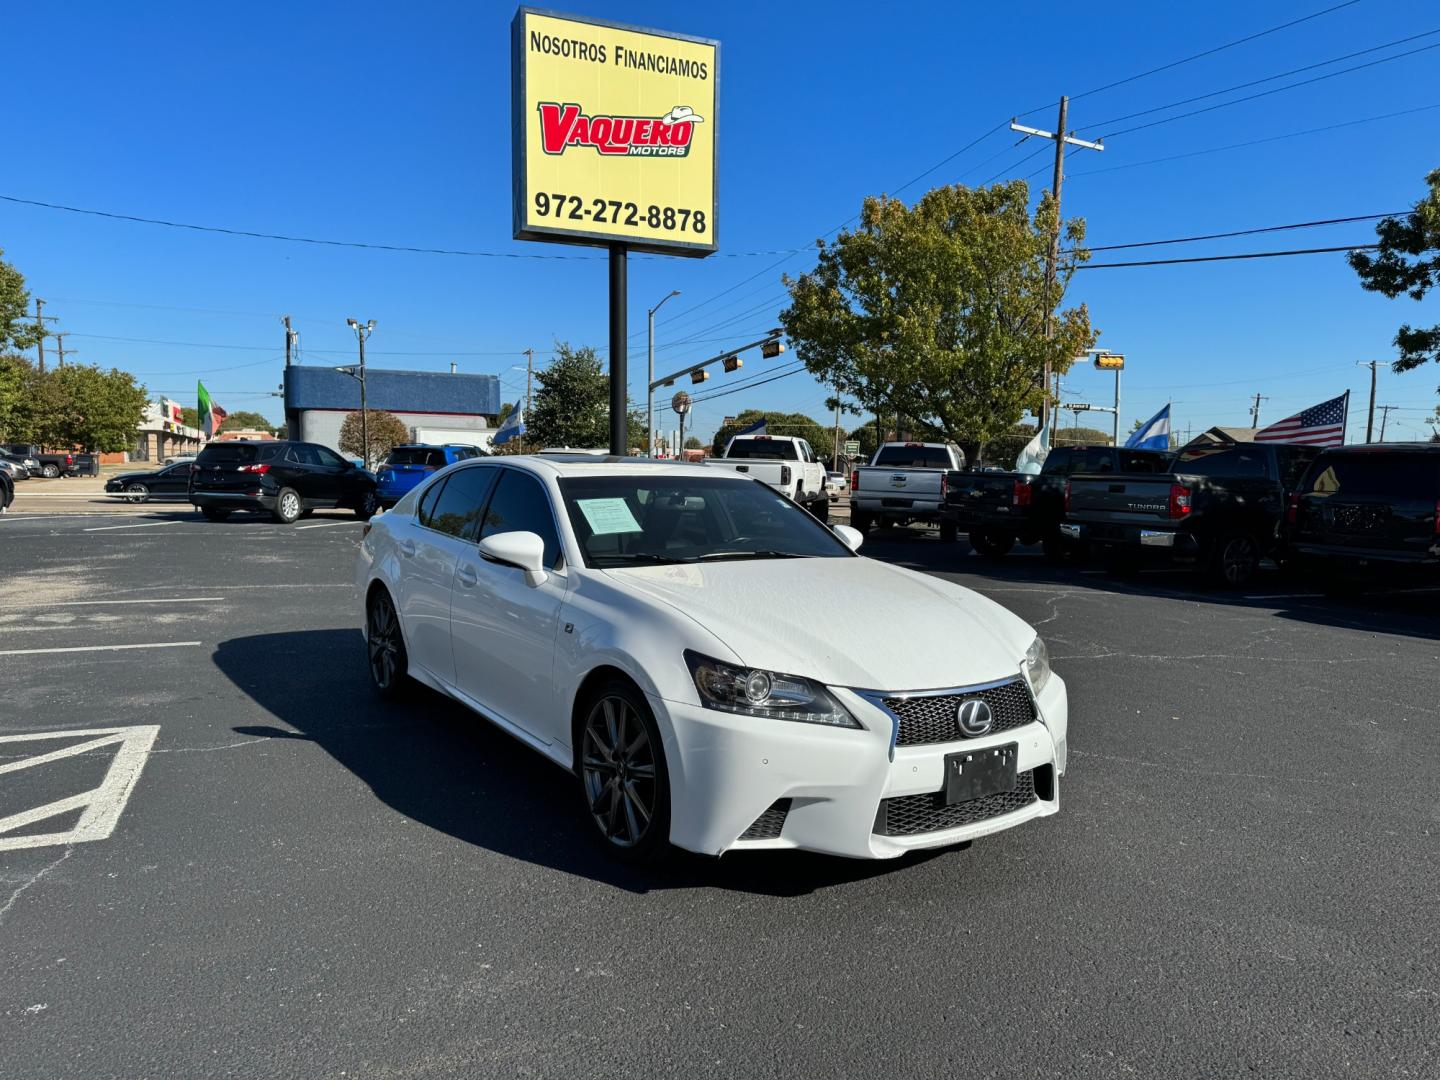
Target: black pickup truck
point(998, 509)
point(1368, 511)
point(51, 465)
point(1219, 509)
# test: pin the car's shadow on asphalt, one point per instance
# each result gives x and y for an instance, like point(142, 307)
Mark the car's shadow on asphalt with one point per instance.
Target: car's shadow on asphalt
point(440, 765)
point(1397, 606)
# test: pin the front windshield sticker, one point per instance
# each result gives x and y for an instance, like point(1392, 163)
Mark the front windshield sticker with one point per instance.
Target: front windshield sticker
point(608, 516)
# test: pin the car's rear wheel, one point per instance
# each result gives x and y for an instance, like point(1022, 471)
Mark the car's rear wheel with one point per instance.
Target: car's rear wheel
point(623, 774)
point(50, 472)
point(949, 532)
point(288, 507)
point(368, 506)
point(214, 513)
point(385, 645)
point(137, 493)
point(991, 545)
point(1236, 558)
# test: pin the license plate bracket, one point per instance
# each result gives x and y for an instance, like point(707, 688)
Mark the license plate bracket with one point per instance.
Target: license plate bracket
point(973, 774)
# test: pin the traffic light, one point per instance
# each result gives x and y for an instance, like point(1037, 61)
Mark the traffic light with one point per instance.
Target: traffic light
point(733, 363)
point(699, 376)
point(772, 349)
point(1110, 361)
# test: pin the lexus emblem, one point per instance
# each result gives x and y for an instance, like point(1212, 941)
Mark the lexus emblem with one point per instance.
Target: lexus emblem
point(974, 718)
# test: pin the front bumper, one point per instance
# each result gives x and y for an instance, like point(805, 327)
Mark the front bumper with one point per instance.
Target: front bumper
point(726, 771)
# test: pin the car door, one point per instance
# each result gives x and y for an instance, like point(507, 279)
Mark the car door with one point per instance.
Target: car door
point(328, 476)
point(172, 481)
point(347, 483)
point(446, 522)
point(503, 630)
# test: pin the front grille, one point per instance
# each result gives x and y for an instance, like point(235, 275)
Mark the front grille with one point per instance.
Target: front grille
point(931, 719)
point(769, 824)
point(912, 814)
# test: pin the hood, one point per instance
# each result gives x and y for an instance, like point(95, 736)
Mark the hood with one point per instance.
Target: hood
point(847, 622)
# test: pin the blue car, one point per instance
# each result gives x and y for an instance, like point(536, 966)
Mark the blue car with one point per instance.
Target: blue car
point(408, 465)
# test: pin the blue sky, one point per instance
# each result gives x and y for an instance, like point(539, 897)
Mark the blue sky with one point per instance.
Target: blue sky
point(389, 124)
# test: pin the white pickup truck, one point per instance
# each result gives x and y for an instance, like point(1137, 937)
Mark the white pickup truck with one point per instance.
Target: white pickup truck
point(905, 482)
point(784, 462)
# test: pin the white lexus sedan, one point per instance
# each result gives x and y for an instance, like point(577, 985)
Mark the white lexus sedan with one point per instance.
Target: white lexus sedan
point(720, 670)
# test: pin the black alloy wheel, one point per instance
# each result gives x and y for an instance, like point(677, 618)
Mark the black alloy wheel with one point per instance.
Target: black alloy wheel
point(385, 645)
point(991, 545)
point(368, 506)
point(137, 493)
point(622, 769)
point(1237, 557)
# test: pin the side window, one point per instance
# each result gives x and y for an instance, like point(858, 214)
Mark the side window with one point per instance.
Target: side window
point(520, 504)
point(327, 457)
point(1235, 462)
point(1293, 464)
point(806, 454)
point(427, 503)
point(456, 510)
point(301, 454)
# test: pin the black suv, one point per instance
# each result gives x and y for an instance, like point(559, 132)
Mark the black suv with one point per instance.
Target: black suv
point(1369, 508)
point(287, 479)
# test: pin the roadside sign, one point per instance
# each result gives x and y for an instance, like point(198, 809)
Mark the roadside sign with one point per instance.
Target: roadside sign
point(615, 133)
point(680, 402)
point(852, 447)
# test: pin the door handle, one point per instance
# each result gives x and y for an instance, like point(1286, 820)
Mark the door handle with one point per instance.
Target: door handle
point(407, 548)
point(466, 576)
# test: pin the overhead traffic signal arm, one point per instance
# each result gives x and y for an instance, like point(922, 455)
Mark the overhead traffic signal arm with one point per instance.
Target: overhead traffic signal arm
point(770, 346)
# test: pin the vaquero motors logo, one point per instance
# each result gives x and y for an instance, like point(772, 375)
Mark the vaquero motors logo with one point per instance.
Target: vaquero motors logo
point(564, 126)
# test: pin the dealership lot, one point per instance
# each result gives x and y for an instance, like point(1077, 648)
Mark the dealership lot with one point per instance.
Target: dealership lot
point(279, 875)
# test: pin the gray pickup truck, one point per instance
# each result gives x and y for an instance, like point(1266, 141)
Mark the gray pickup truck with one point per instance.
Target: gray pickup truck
point(905, 482)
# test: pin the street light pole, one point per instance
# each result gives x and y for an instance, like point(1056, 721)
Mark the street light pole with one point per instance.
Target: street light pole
point(361, 333)
point(649, 383)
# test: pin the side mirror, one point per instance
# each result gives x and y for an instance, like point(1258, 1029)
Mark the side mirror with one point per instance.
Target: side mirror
point(852, 538)
point(522, 550)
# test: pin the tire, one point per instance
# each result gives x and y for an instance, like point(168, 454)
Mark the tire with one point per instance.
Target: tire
point(623, 778)
point(288, 507)
point(368, 506)
point(137, 493)
point(214, 513)
point(861, 522)
point(949, 532)
point(990, 544)
point(1060, 551)
point(385, 653)
point(820, 509)
point(1234, 561)
point(50, 472)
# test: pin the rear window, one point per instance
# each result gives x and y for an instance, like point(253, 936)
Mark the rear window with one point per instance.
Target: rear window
point(913, 457)
point(416, 455)
point(1413, 476)
point(236, 453)
point(1132, 462)
point(1235, 461)
point(762, 448)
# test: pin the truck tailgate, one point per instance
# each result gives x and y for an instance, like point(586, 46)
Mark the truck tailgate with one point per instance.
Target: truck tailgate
point(992, 492)
point(899, 487)
point(1122, 498)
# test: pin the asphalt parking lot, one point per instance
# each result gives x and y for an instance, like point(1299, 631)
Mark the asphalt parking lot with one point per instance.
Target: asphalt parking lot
point(263, 871)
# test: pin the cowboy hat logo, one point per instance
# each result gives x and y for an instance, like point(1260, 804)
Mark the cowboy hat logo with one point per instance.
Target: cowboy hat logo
point(682, 114)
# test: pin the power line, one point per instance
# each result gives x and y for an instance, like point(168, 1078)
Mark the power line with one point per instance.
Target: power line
point(1227, 258)
point(1267, 78)
point(270, 348)
point(751, 386)
point(1246, 232)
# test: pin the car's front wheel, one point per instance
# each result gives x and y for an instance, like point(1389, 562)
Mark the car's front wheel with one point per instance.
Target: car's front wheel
point(137, 493)
point(367, 507)
point(623, 775)
point(385, 645)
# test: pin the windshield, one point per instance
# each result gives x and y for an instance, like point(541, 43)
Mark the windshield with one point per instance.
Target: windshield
point(762, 448)
point(913, 457)
point(644, 520)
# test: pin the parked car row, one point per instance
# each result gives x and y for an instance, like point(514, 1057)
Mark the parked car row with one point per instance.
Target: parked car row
point(1220, 509)
point(39, 463)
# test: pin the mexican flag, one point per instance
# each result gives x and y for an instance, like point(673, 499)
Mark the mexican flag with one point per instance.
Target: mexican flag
point(211, 415)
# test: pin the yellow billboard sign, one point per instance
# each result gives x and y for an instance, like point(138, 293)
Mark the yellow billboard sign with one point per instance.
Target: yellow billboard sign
point(614, 131)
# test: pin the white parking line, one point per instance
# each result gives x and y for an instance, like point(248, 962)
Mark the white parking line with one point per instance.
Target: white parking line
point(88, 603)
point(142, 525)
point(99, 648)
point(324, 525)
point(100, 807)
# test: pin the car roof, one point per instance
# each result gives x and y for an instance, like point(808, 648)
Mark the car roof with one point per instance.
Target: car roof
point(1384, 448)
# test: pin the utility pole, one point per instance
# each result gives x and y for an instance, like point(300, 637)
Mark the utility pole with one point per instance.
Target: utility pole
point(60, 348)
point(529, 380)
point(1255, 411)
point(290, 336)
point(1370, 418)
point(835, 453)
point(1384, 416)
point(361, 333)
point(40, 326)
point(1052, 259)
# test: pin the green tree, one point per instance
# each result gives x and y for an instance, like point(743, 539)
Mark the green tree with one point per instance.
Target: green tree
point(246, 421)
point(190, 417)
point(571, 402)
point(692, 443)
point(1408, 261)
point(83, 406)
point(18, 397)
point(385, 430)
point(15, 332)
point(936, 312)
point(816, 434)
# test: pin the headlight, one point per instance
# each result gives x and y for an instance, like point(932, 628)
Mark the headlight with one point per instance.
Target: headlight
point(752, 692)
point(1037, 665)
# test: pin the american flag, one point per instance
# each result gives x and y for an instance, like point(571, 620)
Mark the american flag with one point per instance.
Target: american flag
point(1319, 425)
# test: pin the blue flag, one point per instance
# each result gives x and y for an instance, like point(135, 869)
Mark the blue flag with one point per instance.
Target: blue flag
point(757, 428)
point(1154, 434)
point(514, 425)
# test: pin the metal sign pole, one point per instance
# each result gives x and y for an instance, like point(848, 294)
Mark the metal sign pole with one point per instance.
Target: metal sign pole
point(619, 331)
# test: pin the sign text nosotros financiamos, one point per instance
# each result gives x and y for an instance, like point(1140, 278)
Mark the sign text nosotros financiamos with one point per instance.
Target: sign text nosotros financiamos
point(563, 126)
point(620, 55)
